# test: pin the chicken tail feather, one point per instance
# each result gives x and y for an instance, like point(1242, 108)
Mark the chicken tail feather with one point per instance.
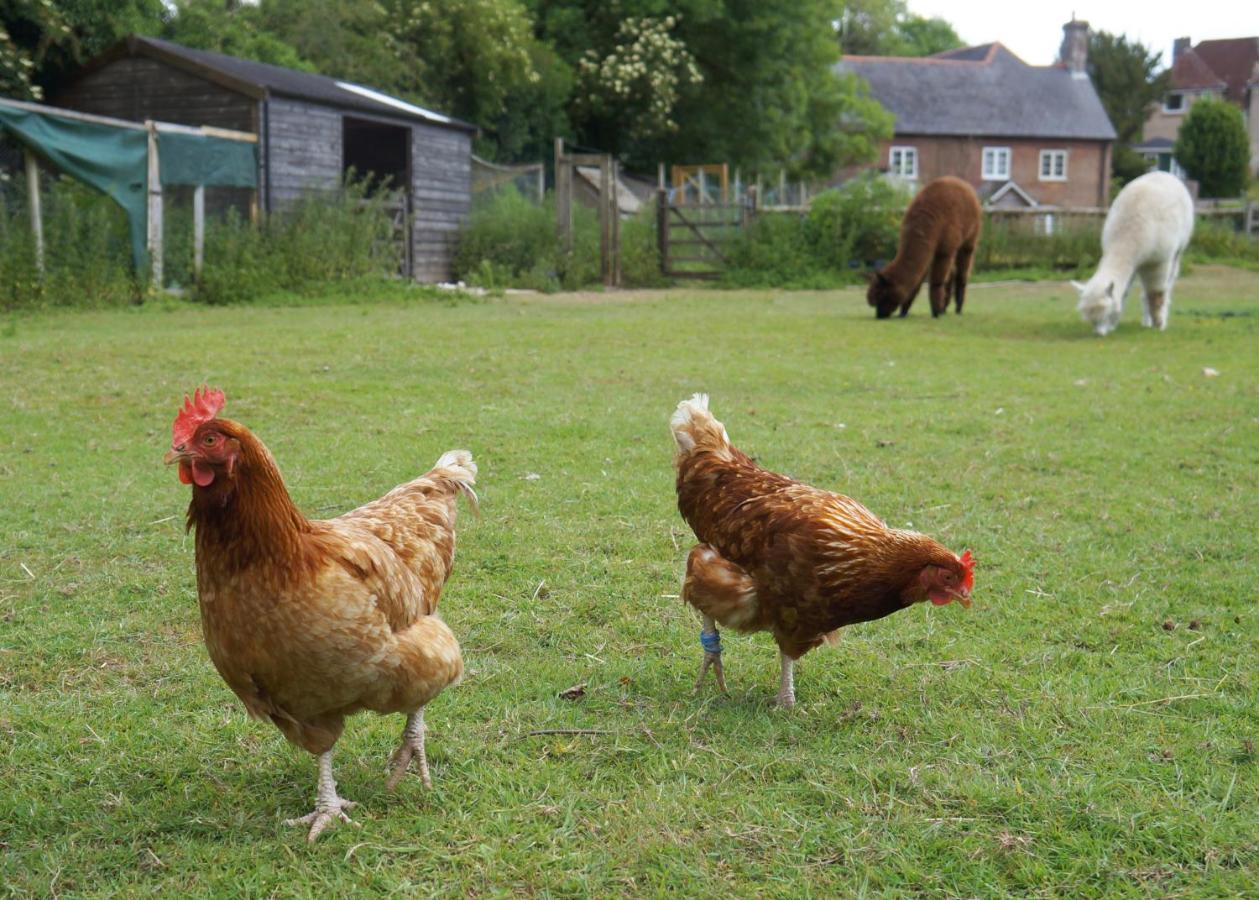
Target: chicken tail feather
point(457, 467)
point(695, 428)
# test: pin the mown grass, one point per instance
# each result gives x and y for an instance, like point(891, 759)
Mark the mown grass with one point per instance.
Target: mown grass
point(1087, 728)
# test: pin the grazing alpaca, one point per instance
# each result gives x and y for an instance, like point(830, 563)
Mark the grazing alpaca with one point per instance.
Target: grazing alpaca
point(1146, 233)
point(938, 237)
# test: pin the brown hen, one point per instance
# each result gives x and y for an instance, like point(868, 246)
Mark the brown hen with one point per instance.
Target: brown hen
point(780, 556)
point(311, 621)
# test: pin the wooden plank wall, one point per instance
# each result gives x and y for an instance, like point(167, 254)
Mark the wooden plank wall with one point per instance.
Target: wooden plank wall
point(441, 172)
point(136, 88)
point(305, 149)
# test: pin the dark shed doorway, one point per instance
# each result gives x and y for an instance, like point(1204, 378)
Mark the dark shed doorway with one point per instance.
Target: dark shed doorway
point(382, 154)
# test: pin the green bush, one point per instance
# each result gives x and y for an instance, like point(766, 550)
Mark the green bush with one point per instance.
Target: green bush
point(1019, 242)
point(846, 230)
point(321, 238)
point(510, 241)
point(1214, 148)
point(87, 253)
point(1215, 241)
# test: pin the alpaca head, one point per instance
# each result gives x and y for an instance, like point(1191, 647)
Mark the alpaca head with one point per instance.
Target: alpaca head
point(1098, 303)
point(883, 295)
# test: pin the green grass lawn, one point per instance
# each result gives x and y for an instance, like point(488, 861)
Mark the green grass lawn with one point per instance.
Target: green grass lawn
point(1087, 727)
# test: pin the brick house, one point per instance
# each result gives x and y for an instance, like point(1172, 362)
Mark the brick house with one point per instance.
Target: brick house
point(1022, 135)
point(1226, 69)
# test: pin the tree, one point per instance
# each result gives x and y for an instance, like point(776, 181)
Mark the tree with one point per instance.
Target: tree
point(919, 36)
point(43, 42)
point(1126, 76)
point(888, 28)
point(233, 29)
point(1213, 148)
point(765, 97)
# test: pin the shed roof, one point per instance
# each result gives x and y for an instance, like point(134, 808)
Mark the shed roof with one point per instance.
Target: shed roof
point(983, 91)
point(257, 80)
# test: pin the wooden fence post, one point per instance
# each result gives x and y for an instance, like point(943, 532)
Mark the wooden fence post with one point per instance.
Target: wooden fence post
point(563, 196)
point(616, 223)
point(198, 230)
point(155, 208)
point(36, 203)
point(662, 228)
point(605, 219)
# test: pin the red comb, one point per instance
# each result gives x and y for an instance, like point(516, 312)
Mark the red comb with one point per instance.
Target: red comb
point(968, 569)
point(203, 406)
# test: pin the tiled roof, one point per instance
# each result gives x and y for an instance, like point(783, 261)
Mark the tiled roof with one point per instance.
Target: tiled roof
point(983, 91)
point(1191, 73)
point(1232, 61)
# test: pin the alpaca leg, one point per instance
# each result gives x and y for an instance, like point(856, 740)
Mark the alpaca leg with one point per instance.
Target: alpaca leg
point(941, 265)
point(961, 276)
point(1154, 285)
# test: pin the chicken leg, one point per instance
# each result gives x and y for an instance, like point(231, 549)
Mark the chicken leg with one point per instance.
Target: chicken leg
point(328, 806)
point(786, 683)
point(710, 640)
point(412, 747)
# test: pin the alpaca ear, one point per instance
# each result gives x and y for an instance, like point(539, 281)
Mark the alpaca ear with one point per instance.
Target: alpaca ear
point(1079, 286)
point(1110, 290)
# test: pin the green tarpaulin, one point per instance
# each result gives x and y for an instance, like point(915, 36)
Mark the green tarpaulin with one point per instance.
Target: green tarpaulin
point(114, 160)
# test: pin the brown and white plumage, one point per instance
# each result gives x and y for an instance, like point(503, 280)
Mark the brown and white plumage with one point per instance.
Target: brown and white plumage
point(780, 556)
point(311, 621)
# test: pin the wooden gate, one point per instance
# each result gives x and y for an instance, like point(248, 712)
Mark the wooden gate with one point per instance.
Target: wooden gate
point(694, 240)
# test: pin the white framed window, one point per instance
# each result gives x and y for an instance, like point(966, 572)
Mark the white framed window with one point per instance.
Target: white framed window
point(902, 162)
point(1173, 103)
point(996, 165)
point(1053, 165)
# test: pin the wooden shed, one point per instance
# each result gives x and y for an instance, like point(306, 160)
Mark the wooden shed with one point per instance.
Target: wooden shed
point(311, 130)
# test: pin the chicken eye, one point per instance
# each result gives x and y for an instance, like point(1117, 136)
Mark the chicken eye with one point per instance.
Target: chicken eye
point(208, 439)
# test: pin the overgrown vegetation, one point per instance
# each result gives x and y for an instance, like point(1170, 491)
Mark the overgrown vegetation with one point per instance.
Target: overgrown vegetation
point(1086, 729)
point(87, 256)
point(510, 241)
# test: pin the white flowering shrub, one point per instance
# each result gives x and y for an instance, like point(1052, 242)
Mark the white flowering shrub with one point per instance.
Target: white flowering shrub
point(641, 79)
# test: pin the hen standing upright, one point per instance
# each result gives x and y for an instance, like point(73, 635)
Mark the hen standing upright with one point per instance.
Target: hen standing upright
point(311, 621)
point(779, 556)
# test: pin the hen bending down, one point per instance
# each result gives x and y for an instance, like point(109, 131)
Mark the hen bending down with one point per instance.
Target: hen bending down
point(780, 556)
point(311, 621)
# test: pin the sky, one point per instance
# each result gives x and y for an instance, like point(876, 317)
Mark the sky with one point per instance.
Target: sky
point(1034, 30)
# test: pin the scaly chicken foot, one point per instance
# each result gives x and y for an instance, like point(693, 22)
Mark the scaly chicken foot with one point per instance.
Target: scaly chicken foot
point(786, 683)
point(328, 806)
point(710, 640)
point(412, 747)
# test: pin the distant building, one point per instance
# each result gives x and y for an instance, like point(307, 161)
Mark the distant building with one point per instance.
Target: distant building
point(1227, 70)
point(1021, 135)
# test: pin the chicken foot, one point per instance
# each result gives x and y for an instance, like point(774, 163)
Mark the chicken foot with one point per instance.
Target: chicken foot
point(412, 746)
point(786, 683)
point(328, 806)
point(710, 640)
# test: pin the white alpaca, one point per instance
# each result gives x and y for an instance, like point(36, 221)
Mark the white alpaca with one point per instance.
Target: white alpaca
point(1146, 232)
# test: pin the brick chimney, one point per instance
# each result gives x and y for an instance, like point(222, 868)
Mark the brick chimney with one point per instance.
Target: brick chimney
point(1179, 46)
point(1074, 54)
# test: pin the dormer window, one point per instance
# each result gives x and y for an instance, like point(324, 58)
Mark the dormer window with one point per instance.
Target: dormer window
point(1174, 103)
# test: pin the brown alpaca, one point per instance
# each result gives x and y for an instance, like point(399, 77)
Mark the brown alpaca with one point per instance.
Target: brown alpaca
point(938, 238)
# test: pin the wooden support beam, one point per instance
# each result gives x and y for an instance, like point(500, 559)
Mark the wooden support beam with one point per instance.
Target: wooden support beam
point(155, 209)
point(198, 230)
point(36, 204)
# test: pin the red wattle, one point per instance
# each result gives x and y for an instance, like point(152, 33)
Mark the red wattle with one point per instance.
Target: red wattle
point(202, 474)
point(185, 472)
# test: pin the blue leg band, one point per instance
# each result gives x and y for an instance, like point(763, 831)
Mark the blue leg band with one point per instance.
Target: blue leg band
point(710, 641)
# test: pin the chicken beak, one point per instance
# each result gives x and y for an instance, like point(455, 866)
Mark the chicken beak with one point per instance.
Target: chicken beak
point(173, 456)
